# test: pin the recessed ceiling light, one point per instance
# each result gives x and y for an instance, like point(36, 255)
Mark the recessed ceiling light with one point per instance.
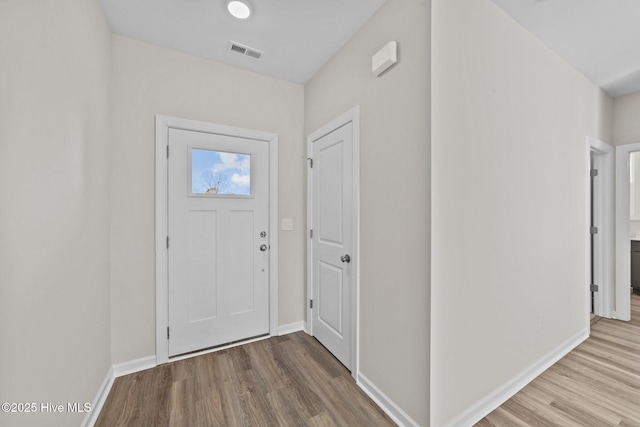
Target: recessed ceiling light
point(239, 8)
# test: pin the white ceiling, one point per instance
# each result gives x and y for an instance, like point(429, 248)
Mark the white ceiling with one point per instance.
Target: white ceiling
point(600, 38)
point(297, 36)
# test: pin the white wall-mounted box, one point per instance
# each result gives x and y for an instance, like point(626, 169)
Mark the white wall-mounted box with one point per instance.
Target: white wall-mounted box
point(384, 58)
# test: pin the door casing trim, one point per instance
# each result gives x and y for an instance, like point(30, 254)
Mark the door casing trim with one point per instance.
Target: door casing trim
point(353, 116)
point(163, 124)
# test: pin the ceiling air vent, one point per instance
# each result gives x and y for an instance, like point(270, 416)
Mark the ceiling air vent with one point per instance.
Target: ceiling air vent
point(244, 50)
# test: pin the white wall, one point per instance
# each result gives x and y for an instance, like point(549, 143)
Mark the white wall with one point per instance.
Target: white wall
point(510, 121)
point(54, 214)
point(149, 80)
point(626, 119)
point(395, 183)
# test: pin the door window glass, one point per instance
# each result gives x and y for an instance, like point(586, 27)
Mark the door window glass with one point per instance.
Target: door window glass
point(220, 173)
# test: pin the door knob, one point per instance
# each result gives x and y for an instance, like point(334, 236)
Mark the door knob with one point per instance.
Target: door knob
point(263, 247)
point(345, 258)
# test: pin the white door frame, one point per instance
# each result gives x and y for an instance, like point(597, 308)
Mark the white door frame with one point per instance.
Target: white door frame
point(352, 116)
point(623, 236)
point(163, 124)
point(604, 210)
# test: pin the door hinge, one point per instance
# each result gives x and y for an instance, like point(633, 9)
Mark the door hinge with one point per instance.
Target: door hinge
point(311, 233)
point(594, 230)
point(310, 303)
point(167, 332)
point(310, 162)
point(593, 287)
point(167, 151)
point(167, 242)
point(593, 172)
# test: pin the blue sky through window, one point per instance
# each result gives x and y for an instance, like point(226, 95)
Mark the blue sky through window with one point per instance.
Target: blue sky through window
point(219, 172)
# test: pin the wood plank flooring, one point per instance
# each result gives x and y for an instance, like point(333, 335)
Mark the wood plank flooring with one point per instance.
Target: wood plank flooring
point(293, 381)
point(282, 381)
point(597, 384)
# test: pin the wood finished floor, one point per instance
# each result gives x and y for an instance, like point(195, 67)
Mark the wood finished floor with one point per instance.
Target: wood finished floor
point(294, 381)
point(597, 384)
point(282, 381)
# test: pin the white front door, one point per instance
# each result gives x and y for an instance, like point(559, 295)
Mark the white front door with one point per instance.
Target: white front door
point(218, 247)
point(332, 241)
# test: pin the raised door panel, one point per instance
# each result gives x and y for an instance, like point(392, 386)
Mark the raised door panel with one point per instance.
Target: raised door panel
point(330, 297)
point(241, 262)
point(202, 279)
point(330, 193)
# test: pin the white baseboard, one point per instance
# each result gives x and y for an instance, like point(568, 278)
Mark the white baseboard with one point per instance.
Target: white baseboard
point(486, 405)
point(291, 328)
point(133, 366)
point(114, 372)
point(91, 417)
point(387, 405)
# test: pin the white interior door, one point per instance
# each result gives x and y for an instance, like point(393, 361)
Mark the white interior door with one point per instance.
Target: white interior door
point(332, 241)
point(602, 209)
point(218, 257)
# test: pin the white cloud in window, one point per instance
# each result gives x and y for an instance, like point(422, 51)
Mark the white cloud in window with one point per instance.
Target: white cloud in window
point(242, 162)
point(240, 179)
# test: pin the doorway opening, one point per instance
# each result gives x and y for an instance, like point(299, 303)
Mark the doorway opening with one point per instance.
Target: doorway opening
point(634, 217)
point(623, 230)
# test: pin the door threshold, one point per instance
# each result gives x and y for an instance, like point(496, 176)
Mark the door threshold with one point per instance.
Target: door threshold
point(218, 347)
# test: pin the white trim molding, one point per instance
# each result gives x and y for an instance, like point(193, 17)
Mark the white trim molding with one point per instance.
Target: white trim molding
point(133, 366)
point(292, 327)
point(351, 116)
point(387, 405)
point(483, 407)
point(163, 124)
point(114, 372)
point(101, 397)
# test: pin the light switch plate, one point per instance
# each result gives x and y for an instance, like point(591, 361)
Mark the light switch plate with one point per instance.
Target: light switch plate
point(287, 224)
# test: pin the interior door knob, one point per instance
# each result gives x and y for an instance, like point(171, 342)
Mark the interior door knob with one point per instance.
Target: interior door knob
point(345, 258)
point(263, 247)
